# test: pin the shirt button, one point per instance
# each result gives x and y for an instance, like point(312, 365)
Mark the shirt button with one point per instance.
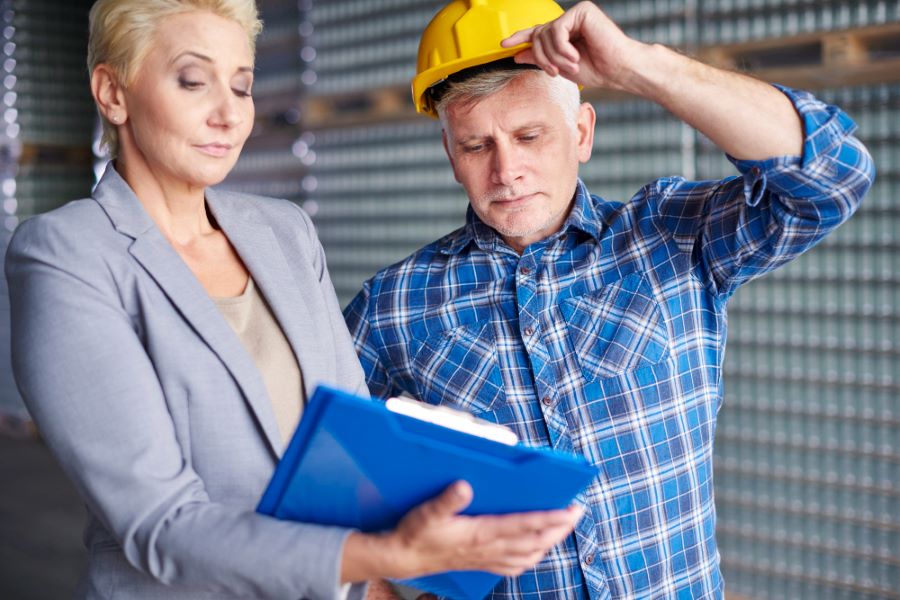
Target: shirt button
point(547, 400)
point(525, 270)
point(755, 171)
point(589, 559)
point(529, 330)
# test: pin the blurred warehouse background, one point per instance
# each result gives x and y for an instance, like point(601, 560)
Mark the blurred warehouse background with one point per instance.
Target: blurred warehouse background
point(808, 444)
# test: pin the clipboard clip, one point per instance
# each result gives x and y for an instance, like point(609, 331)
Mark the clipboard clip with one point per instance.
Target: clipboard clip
point(452, 418)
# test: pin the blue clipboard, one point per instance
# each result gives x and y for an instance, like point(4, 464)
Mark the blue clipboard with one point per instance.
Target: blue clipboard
point(354, 463)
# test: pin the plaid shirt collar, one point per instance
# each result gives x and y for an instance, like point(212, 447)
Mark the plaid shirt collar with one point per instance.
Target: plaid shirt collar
point(584, 217)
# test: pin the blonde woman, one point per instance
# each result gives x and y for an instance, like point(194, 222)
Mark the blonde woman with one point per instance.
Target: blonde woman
point(165, 336)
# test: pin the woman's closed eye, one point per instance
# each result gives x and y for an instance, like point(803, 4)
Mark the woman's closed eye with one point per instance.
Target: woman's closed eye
point(194, 84)
point(190, 84)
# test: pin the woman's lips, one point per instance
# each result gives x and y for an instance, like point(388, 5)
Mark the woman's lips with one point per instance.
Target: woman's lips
point(214, 149)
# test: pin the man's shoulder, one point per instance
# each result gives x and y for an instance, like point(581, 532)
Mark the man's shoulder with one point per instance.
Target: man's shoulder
point(656, 198)
point(431, 258)
point(410, 283)
point(650, 193)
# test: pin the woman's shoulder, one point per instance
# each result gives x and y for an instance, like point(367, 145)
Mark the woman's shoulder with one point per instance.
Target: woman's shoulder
point(278, 213)
point(79, 222)
point(257, 203)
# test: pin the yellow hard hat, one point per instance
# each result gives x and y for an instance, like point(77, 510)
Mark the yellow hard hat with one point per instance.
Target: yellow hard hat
point(467, 33)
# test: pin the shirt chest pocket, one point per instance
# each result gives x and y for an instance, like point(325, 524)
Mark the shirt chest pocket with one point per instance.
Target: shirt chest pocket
point(458, 368)
point(616, 329)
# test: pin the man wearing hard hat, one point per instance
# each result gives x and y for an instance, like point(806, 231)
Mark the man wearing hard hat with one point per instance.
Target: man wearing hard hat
point(590, 326)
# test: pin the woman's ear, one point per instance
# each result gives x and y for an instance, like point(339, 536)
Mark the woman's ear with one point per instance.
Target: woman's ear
point(108, 94)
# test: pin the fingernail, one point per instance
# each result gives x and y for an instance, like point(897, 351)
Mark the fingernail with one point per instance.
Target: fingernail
point(459, 488)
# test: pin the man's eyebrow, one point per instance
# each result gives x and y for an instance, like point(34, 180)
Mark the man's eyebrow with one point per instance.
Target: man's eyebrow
point(537, 125)
point(471, 138)
point(531, 126)
point(208, 59)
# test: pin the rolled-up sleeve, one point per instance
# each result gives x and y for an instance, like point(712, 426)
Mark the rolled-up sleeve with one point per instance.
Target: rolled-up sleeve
point(776, 208)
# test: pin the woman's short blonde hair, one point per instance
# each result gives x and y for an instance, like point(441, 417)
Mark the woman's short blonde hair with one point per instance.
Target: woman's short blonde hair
point(121, 32)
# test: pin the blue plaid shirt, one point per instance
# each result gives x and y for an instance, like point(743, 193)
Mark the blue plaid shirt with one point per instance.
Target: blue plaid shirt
point(606, 340)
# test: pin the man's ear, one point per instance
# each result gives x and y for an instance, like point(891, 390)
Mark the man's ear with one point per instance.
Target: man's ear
point(446, 142)
point(109, 94)
point(584, 126)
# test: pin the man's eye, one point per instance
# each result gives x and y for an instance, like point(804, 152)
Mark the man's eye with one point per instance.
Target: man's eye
point(528, 138)
point(473, 149)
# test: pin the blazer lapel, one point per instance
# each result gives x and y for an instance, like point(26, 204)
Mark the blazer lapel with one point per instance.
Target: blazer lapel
point(259, 248)
point(162, 262)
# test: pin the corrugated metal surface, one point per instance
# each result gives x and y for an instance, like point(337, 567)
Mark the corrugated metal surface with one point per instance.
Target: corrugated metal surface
point(46, 130)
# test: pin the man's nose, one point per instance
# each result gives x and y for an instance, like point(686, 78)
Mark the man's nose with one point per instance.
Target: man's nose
point(508, 164)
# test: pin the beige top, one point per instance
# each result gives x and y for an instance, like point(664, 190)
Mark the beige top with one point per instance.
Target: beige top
point(253, 322)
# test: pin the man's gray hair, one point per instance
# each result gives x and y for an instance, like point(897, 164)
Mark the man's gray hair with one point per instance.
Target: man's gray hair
point(563, 91)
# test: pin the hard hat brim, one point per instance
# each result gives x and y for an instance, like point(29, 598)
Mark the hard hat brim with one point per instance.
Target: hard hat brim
point(425, 80)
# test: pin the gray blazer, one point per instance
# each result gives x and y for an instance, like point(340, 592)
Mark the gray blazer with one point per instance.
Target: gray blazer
point(150, 402)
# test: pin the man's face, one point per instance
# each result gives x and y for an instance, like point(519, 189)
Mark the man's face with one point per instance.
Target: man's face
point(517, 156)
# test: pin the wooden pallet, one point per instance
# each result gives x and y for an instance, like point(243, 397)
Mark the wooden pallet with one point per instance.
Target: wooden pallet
point(381, 105)
point(817, 60)
point(809, 61)
point(17, 427)
point(51, 154)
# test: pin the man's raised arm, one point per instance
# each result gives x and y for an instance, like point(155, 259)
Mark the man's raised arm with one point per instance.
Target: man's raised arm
point(745, 117)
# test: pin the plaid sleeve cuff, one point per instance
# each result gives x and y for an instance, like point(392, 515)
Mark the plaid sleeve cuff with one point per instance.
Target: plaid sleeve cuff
point(828, 146)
